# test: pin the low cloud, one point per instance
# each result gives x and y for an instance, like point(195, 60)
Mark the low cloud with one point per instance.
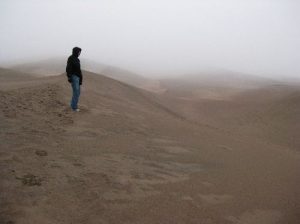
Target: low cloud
point(157, 37)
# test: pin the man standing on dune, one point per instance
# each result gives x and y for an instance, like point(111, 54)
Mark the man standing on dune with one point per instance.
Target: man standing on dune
point(74, 76)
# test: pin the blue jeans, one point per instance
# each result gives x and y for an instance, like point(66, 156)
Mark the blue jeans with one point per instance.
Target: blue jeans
point(76, 91)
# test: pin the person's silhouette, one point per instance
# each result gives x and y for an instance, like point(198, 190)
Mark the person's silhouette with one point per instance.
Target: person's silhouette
point(74, 76)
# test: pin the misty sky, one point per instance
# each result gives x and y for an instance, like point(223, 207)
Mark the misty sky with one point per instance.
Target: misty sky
point(157, 36)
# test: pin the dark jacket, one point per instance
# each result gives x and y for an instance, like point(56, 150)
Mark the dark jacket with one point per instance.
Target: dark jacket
point(73, 65)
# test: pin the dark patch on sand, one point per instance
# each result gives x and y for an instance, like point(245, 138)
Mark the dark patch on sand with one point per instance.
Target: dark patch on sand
point(41, 153)
point(30, 180)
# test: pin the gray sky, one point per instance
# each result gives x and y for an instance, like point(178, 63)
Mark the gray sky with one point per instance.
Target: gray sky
point(157, 36)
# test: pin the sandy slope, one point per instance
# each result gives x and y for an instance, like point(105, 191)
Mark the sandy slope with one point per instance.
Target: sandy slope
point(270, 112)
point(56, 66)
point(131, 157)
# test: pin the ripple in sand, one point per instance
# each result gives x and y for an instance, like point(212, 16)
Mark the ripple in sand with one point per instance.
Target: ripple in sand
point(175, 149)
point(137, 175)
point(215, 199)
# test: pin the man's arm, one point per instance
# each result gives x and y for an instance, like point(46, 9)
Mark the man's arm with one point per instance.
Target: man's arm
point(69, 66)
point(80, 79)
point(69, 69)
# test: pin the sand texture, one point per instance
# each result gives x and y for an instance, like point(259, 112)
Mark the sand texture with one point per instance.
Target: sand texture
point(206, 155)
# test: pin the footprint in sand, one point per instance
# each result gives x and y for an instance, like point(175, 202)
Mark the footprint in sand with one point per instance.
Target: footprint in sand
point(77, 164)
point(30, 180)
point(41, 153)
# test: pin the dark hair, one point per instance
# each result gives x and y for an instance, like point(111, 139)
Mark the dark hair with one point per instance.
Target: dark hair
point(76, 51)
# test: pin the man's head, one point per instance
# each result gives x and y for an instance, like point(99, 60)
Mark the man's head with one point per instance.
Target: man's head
point(76, 51)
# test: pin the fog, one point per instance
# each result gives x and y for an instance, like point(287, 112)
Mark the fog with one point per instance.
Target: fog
point(156, 37)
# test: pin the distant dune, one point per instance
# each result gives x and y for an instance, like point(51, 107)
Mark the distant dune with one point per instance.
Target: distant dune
point(193, 152)
point(230, 81)
point(11, 75)
point(57, 66)
point(52, 66)
point(270, 112)
point(218, 84)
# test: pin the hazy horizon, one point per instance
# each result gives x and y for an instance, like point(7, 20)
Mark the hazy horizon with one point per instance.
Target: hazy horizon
point(157, 37)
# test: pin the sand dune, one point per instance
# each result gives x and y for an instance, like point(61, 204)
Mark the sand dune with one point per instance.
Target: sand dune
point(8, 75)
point(133, 156)
point(46, 67)
point(212, 84)
point(270, 112)
point(56, 66)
